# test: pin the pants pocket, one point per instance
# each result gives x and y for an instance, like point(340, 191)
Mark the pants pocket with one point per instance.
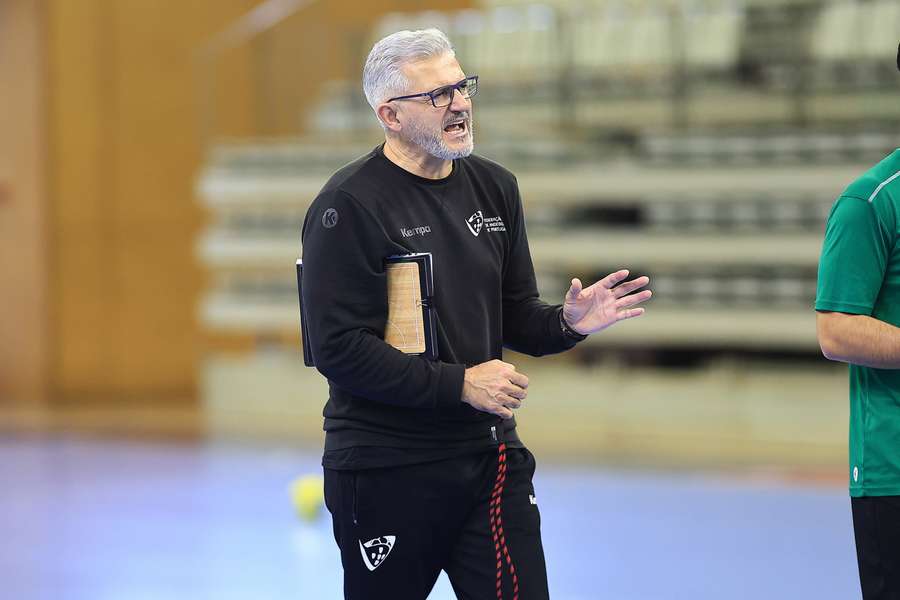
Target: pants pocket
point(341, 494)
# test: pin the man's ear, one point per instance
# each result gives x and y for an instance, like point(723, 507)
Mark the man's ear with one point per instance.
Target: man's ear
point(387, 114)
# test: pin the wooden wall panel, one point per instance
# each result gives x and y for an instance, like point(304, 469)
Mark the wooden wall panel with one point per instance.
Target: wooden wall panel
point(126, 106)
point(82, 171)
point(126, 151)
point(23, 237)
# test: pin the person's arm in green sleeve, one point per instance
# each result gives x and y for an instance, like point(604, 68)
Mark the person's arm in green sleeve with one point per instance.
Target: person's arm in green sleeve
point(852, 267)
point(858, 339)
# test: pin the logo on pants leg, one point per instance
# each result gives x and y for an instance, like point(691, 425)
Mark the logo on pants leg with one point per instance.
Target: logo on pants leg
point(374, 552)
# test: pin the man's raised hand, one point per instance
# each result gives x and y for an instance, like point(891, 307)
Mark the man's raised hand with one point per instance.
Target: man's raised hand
point(589, 310)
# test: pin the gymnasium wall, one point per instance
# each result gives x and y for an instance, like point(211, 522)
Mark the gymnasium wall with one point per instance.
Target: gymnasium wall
point(100, 225)
point(122, 112)
point(23, 209)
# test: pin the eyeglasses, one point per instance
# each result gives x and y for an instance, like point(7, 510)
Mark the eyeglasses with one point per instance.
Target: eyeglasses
point(443, 96)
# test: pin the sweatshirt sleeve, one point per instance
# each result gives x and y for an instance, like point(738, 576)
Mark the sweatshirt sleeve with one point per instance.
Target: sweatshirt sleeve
point(345, 301)
point(530, 325)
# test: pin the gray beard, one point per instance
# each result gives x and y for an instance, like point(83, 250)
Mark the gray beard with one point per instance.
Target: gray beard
point(433, 142)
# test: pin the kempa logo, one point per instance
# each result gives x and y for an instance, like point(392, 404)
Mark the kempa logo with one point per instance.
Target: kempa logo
point(477, 222)
point(330, 218)
point(410, 232)
point(374, 552)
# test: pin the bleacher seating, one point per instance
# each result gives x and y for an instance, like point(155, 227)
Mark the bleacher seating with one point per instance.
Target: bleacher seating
point(880, 30)
point(650, 143)
point(712, 36)
point(836, 34)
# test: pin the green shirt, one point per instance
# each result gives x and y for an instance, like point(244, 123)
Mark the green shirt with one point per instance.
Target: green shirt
point(859, 273)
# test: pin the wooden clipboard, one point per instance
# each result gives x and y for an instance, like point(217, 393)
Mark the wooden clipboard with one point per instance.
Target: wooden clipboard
point(409, 325)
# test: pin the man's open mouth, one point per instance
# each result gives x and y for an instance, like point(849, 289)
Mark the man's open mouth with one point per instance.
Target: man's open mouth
point(456, 127)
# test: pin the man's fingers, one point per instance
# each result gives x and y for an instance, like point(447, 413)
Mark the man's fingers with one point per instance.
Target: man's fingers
point(518, 379)
point(630, 313)
point(515, 391)
point(508, 401)
point(633, 299)
point(630, 286)
point(503, 412)
point(574, 289)
point(611, 280)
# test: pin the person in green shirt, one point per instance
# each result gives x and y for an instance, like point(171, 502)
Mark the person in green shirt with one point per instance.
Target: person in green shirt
point(858, 322)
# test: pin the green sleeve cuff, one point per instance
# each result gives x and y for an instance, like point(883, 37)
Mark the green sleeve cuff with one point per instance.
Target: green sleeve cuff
point(844, 307)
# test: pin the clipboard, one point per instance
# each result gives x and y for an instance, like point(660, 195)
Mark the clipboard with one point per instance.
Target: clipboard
point(409, 325)
point(304, 338)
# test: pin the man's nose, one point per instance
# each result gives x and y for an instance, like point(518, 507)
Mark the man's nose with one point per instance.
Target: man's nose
point(460, 104)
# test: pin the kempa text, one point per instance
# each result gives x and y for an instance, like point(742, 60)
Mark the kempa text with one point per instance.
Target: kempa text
point(410, 232)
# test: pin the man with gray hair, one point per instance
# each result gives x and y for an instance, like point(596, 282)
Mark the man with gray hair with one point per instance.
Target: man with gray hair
point(424, 470)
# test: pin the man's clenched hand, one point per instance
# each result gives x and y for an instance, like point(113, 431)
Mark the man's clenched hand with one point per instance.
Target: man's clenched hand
point(494, 387)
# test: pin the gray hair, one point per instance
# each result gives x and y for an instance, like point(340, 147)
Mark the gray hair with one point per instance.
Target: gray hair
point(383, 76)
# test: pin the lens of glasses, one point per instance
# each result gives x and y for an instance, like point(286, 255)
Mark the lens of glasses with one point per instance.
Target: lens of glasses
point(444, 96)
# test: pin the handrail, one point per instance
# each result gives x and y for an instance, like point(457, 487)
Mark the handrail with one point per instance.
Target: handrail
point(258, 20)
point(263, 17)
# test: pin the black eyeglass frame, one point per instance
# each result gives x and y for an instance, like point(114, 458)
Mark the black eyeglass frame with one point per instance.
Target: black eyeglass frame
point(453, 87)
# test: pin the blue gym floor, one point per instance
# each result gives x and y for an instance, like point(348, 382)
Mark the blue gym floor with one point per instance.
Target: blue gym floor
point(111, 520)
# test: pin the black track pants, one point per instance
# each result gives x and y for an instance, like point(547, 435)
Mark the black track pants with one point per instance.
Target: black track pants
point(876, 527)
point(475, 517)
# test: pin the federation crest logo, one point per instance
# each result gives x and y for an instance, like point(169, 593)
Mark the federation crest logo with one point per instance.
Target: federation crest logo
point(375, 552)
point(475, 223)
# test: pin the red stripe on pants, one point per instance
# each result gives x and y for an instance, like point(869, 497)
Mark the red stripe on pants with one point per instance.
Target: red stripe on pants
point(495, 510)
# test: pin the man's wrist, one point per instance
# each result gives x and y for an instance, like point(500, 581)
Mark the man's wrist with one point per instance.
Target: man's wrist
point(450, 385)
point(567, 330)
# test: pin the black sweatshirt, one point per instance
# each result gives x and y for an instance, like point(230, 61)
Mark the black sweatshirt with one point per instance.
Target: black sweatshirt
point(386, 407)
